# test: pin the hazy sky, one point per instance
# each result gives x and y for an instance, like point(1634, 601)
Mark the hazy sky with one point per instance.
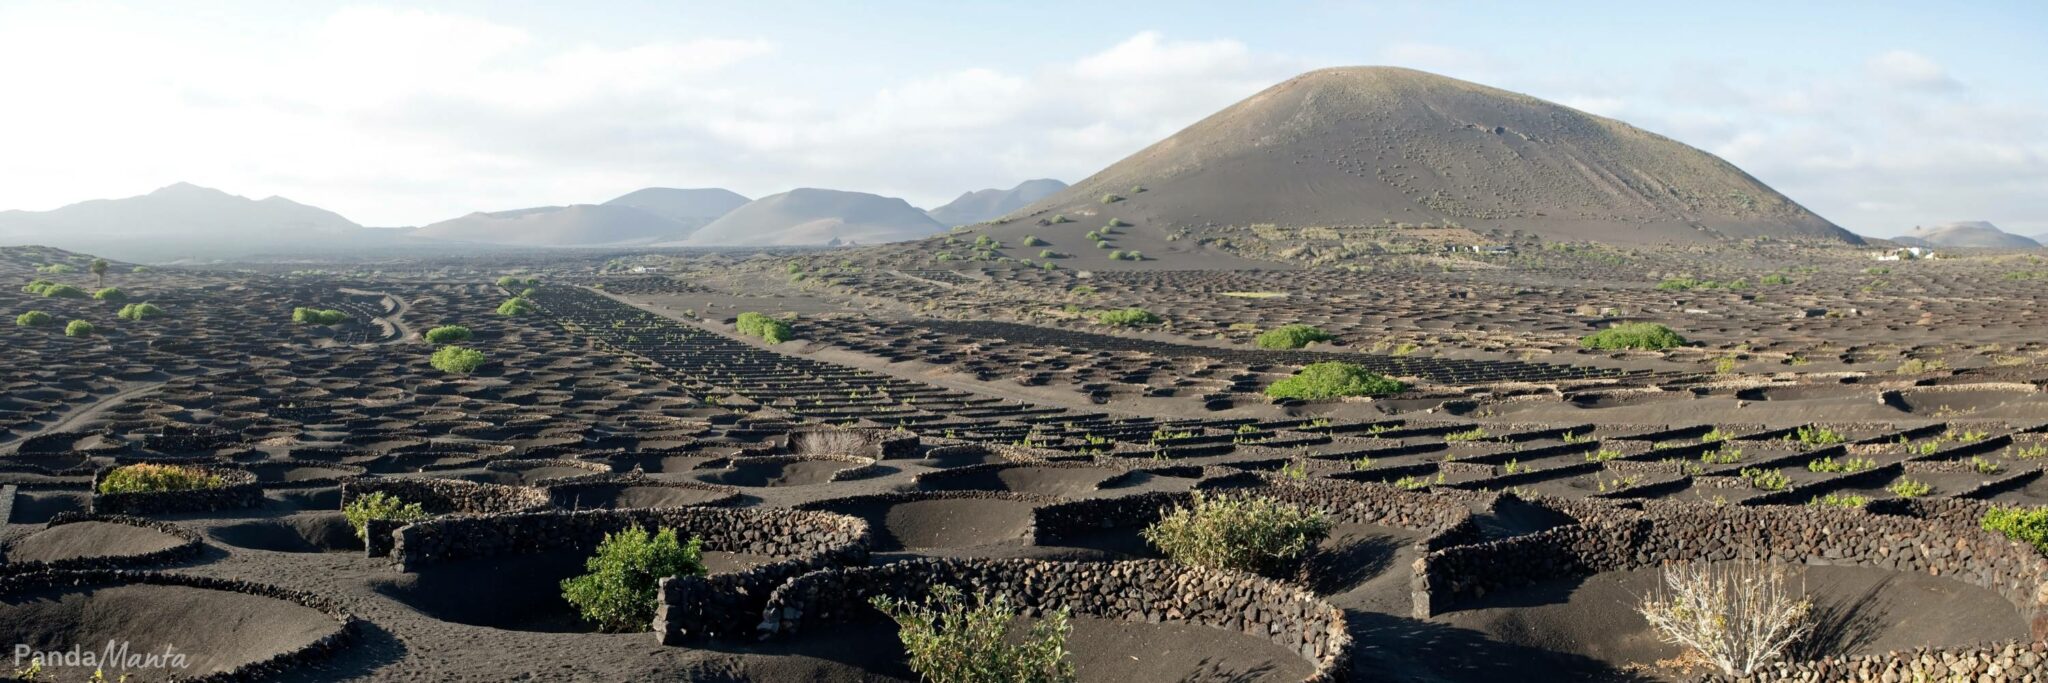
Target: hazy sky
point(1879, 116)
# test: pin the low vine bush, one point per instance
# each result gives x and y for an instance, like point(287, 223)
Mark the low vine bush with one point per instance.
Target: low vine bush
point(458, 360)
point(1252, 534)
point(618, 594)
point(34, 319)
point(2024, 524)
point(79, 328)
point(1292, 337)
point(53, 290)
point(447, 334)
point(949, 641)
point(141, 311)
point(1332, 379)
point(151, 478)
point(1636, 336)
point(768, 329)
point(379, 505)
point(316, 316)
point(517, 306)
point(1126, 317)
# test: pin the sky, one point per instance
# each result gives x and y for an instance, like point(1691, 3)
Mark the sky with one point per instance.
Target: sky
point(1879, 116)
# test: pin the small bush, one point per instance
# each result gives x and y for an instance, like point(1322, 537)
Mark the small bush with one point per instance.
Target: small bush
point(1033, 241)
point(517, 306)
point(618, 593)
point(447, 334)
point(749, 323)
point(79, 328)
point(775, 332)
point(1292, 337)
point(458, 360)
point(1908, 488)
point(141, 311)
point(1253, 534)
point(55, 291)
point(2024, 524)
point(1776, 279)
point(379, 505)
point(315, 316)
point(1642, 336)
point(1333, 380)
point(1126, 317)
point(1111, 198)
point(110, 294)
point(950, 642)
point(148, 477)
point(768, 329)
point(511, 281)
point(1117, 223)
point(34, 319)
point(1738, 616)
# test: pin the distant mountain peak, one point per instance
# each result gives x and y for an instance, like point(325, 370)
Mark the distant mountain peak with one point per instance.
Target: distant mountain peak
point(983, 205)
point(1363, 146)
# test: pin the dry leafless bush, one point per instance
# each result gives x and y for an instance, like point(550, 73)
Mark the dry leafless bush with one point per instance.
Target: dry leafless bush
point(1737, 615)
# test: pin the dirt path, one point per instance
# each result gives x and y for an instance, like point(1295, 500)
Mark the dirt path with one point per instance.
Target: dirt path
point(92, 410)
point(397, 317)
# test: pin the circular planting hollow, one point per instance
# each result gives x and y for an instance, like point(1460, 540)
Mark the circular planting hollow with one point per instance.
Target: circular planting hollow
point(229, 629)
point(505, 570)
point(1048, 479)
point(1131, 621)
point(638, 493)
point(769, 471)
point(318, 532)
point(76, 541)
point(940, 519)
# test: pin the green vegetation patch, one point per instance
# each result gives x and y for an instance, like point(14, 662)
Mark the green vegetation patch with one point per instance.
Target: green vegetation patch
point(949, 641)
point(618, 592)
point(315, 316)
point(458, 360)
point(447, 334)
point(379, 505)
point(1250, 534)
point(1333, 379)
point(1640, 336)
point(1126, 317)
point(150, 478)
point(1292, 337)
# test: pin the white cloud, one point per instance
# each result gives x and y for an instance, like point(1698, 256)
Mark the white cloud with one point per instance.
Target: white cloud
point(1905, 68)
point(398, 116)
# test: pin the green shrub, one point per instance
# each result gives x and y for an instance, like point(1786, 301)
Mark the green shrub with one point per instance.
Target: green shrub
point(458, 360)
point(149, 477)
point(1117, 223)
point(79, 328)
point(54, 290)
point(109, 294)
point(950, 642)
point(1033, 241)
point(1126, 317)
point(1908, 488)
point(1333, 380)
point(379, 505)
point(1839, 500)
point(1253, 534)
point(618, 593)
point(447, 334)
point(2024, 524)
point(1643, 336)
point(775, 332)
point(517, 305)
point(511, 281)
point(315, 316)
point(1776, 279)
point(141, 311)
point(749, 323)
point(1292, 337)
point(56, 268)
point(1111, 198)
point(34, 319)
